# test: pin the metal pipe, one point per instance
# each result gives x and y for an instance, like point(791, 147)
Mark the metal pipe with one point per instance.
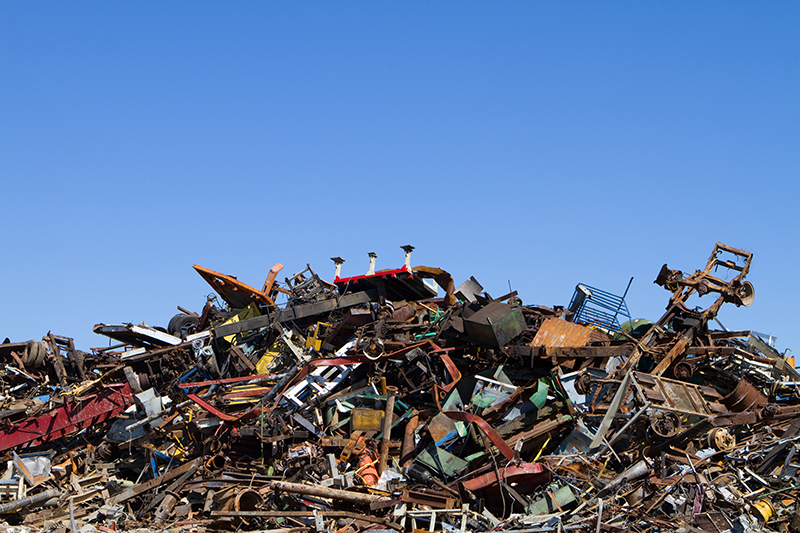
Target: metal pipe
point(30, 500)
point(167, 505)
point(215, 462)
point(72, 515)
point(238, 499)
point(324, 492)
point(387, 430)
point(636, 471)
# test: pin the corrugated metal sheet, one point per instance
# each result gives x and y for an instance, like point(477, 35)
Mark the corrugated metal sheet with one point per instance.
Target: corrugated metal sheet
point(555, 332)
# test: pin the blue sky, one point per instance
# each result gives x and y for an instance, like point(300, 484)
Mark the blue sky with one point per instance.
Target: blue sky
point(540, 144)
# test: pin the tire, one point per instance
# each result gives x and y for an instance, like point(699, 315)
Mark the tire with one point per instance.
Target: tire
point(39, 362)
point(35, 353)
point(182, 325)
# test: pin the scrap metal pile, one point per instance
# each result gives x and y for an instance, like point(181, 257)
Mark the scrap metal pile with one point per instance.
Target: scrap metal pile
point(375, 403)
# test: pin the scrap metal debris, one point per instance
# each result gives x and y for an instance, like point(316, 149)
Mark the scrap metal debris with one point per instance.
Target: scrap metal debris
point(396, 401)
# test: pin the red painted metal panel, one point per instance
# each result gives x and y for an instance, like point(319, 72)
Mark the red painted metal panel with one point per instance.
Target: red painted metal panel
point(74, 415)
point(389, 272)
point(526, 476)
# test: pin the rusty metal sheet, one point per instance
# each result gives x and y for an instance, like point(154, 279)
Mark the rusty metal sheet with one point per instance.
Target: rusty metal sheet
point(237, 294)
point(679, 396)
point(745, 397)
point(555, 332)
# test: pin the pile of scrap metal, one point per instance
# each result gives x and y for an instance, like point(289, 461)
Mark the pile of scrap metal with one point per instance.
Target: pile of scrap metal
point(397, 401)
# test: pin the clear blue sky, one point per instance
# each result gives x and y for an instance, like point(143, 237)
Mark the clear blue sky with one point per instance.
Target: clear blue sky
point(537, 143)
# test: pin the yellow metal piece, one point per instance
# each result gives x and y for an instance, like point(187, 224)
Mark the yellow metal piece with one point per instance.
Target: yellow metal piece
point(172, 449)
point(243, 399)
point(320, 332)
point(428, 307)
point(765, 509)
point(366, 419)
point(178, 443)
point(251, 311)
point(546, 442)
point(603, 469)
point(275, 353)
point(239, 401)
point(264, 364)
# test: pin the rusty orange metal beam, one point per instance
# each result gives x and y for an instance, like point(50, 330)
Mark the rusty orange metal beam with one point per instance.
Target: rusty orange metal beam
point(238, 295)
point(270, 281)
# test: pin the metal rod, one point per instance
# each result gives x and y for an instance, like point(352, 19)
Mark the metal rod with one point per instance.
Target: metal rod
point(387, 430)
point(72, 515)
point(324, 492)
point(30, 500)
